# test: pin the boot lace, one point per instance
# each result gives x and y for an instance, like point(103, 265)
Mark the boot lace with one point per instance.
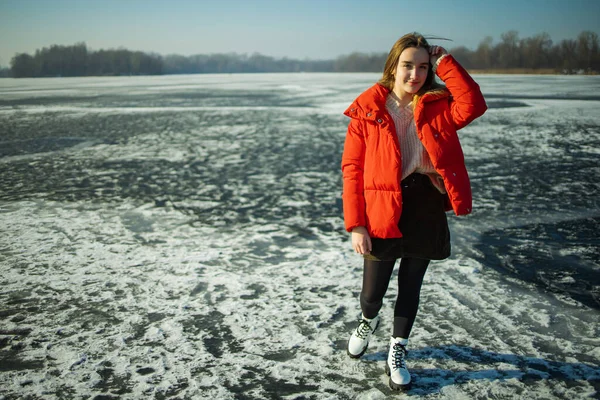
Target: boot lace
point(363, 329)
point(399, 353)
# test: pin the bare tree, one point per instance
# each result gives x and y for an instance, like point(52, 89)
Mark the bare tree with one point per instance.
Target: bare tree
point(536, 51)
point(484, 53)
point(509, 53)
point(587, 50)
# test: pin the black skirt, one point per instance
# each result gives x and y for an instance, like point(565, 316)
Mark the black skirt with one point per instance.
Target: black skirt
point(423, 224)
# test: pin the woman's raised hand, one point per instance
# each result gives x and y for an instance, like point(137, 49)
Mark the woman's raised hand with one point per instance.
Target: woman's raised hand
point(361, 241)
point(436, 52)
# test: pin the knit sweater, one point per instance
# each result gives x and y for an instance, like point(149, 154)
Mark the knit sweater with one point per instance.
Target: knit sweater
point(414, 155)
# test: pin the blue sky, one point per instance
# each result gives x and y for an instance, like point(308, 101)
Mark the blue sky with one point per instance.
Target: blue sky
point(315, 29)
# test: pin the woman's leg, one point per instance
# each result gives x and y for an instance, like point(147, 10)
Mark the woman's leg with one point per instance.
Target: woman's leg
point(410, 278)
point(376, 279)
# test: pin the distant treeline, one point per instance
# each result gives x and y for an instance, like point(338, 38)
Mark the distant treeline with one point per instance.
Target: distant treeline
point(77, 60)
point(537, 52)
point(534, 53)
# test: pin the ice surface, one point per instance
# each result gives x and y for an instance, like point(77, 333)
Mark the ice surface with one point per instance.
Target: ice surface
point(182, 237)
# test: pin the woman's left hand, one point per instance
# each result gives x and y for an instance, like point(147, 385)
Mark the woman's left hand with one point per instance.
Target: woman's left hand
point(436, 52)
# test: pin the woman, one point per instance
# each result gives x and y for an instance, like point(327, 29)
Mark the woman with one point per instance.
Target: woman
point(403, 168)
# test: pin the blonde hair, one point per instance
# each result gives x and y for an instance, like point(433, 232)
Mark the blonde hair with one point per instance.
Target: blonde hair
point(388, 79)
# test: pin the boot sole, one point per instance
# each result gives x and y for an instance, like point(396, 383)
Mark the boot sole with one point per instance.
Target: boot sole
point(356, 356)
point(392, 384)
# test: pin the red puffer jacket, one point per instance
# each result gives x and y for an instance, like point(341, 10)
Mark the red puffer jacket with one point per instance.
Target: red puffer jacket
point(371, 162)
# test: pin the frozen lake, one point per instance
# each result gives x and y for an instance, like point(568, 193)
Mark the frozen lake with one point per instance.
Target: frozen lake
point(182, 237)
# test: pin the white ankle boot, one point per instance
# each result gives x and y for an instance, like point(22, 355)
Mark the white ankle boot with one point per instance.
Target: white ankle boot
point(359, 341)
point(395, 365)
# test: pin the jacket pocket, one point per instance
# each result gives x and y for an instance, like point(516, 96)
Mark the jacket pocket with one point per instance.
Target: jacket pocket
point(383, 210)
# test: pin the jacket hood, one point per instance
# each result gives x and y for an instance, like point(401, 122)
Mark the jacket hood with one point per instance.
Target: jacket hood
point(370, 104)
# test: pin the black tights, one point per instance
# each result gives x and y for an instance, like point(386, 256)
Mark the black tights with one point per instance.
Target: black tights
point(376, 278)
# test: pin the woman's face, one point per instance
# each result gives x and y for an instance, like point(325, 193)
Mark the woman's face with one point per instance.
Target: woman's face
point(411, 72)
